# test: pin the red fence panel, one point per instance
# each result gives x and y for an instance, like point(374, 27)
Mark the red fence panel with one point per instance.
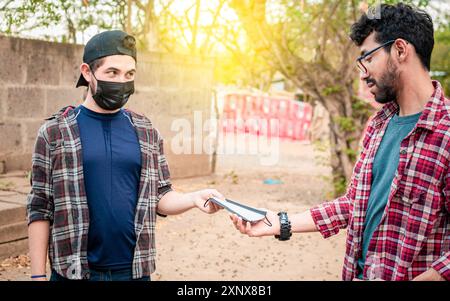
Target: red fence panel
point(267, 116)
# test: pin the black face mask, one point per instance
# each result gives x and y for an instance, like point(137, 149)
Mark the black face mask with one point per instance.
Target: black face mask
point(112, 95)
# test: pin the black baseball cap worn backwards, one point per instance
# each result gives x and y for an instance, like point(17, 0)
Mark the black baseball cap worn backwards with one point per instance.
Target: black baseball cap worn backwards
point(105, 44)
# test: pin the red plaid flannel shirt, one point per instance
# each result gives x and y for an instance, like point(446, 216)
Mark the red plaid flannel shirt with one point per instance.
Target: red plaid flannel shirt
point(414, 232)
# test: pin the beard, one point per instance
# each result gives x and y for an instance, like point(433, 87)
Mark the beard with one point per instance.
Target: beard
point(386, 86)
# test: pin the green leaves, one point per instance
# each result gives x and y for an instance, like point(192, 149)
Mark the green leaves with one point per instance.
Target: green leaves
point(331, 90)
point(21, 18)
point(361, 108)
point(418, 3)
point(345, 124)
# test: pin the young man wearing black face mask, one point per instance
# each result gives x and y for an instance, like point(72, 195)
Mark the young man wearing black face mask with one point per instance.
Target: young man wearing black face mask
point(99, 177)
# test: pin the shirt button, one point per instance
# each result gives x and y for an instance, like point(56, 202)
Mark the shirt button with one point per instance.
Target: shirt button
point(403, 152)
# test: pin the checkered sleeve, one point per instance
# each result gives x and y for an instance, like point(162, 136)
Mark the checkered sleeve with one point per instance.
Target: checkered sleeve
point(40, 199)
point(442, 265)
point(331, 216)
point(163, 171)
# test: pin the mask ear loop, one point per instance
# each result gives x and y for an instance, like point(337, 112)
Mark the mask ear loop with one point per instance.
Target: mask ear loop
point(97, 87)
point(268, 223)
point(206, 203)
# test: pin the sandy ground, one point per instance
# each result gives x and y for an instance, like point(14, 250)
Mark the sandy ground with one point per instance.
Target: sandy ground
point(197, 246)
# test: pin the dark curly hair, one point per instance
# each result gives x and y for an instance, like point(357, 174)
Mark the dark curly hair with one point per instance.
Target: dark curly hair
point(398, 21)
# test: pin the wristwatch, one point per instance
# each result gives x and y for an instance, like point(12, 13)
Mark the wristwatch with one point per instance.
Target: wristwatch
point(285, 227)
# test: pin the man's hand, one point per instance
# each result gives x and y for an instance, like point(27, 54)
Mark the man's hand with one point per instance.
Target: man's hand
point(429, 275)
point(259, 228)
point(199, 198)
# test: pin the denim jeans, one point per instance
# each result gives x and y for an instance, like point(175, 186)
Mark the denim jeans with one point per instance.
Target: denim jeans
point(104, 275)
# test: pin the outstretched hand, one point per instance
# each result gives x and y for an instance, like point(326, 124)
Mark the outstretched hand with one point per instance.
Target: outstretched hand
point(259, 228)
point(200, 198)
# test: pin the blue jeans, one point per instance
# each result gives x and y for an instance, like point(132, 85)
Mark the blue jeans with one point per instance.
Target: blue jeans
point(104, 275)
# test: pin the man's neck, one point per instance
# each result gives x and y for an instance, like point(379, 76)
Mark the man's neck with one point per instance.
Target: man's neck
point(90, 103)
point(414, 94)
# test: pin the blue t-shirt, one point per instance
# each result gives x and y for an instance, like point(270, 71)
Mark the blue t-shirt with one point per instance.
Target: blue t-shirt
point(112, 166)
point(384, 167)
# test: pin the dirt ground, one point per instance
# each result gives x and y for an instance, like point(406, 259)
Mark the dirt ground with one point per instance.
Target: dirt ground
point(197, 246)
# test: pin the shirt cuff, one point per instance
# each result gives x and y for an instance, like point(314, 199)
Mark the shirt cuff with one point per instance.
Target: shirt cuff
point(323, 227)
point(442, 266)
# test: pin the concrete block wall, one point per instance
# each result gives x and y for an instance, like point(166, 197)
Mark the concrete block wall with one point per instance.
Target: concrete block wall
point(37, 78)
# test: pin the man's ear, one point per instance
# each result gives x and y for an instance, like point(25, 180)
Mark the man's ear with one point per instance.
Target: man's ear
point(402, 49)
point(86, 71)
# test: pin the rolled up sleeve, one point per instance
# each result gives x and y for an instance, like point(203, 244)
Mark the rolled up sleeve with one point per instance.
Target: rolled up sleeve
point(442, 264)
point(40, 199)
point(164, 182)
point(332, 216)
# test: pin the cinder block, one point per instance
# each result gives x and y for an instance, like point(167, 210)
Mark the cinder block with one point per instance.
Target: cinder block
point(43, 68)
point(187, 165)
point(31, 130)
point(25, 102)
point(11, 213)
point(3, 99)
point(10, 137)
point(194, 76)
point(184, 166)
point(19, 161)
point(171, 76)
point(179, 101)
point(5, 43)
point(58, 98)
point(148, 74)
point(208, 77)
point(13, 248)
point(17, 198)
point(165, 122)
point(185, 102)
point(200, 100)
point(17, 45)
point(13, 67)
point(149, 102)
point(72, 58)
point(11, 232)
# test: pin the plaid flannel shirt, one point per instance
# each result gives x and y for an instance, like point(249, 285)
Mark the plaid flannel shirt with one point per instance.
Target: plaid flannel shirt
point(414, 232)
point(58, 193)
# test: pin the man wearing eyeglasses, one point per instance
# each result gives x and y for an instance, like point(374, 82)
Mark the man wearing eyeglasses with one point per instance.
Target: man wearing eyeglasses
point(396, 208)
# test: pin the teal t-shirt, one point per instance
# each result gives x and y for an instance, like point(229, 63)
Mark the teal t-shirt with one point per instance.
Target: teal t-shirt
point(384, 167)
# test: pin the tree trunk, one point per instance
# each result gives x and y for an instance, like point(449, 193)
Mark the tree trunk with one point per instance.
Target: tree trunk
point(348, 117)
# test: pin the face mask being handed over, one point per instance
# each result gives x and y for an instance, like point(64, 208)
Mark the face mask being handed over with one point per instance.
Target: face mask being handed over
point(112, 95)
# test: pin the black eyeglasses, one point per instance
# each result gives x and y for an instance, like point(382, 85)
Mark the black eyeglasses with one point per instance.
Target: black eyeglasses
point(359, 61)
